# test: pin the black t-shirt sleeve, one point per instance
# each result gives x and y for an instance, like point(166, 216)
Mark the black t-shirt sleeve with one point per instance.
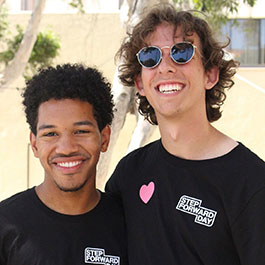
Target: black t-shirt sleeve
point(249, 231)
point(7, 238)
point(2, 250)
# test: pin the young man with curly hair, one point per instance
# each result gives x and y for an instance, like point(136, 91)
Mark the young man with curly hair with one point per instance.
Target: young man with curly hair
point(195, 196)
point(65, 219)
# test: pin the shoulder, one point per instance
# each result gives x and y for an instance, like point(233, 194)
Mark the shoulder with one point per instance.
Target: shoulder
point(13, 200)
point(248, 159)
point(130, 167)
point(251, 167)
point(243, 166)
point(142, 154)
point(241, 174)
point(133, 162)
point(15, 204)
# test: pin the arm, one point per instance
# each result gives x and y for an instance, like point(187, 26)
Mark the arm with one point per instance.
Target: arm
point(5, 239)
point(249, 231)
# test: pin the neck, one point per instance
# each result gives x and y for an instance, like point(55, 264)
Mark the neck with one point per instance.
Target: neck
point(194, 139)
point(70, 203)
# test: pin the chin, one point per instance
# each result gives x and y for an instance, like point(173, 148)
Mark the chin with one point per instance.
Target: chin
point(73, 188)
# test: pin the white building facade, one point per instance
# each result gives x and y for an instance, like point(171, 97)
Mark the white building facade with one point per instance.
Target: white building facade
point(247, 35)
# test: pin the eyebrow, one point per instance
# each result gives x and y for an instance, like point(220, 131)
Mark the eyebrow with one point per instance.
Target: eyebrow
point(44, 126)
point(89, 123)
point(79, 123)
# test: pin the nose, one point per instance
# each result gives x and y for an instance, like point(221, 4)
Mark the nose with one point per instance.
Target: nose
point(166, 65)
point(66, 145)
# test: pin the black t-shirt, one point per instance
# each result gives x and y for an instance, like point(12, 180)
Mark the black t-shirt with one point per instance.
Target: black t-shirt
point(178, 211)
point(31, 233)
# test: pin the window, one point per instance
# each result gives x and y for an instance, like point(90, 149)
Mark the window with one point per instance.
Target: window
point(247, 41)
point(262, 41)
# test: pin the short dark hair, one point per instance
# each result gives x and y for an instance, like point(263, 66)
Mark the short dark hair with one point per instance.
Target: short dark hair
point(69, 81)
point(212, 55)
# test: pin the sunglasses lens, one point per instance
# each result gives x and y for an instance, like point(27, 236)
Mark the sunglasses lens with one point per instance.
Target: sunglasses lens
point(182, 52)
point(149, 57)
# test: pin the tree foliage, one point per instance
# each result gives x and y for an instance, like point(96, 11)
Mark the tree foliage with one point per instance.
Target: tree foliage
point(45, 49)
point(3, 22)
point(216, 11)
point(78, 4)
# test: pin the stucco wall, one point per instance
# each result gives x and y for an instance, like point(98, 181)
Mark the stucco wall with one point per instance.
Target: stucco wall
point(93, 39)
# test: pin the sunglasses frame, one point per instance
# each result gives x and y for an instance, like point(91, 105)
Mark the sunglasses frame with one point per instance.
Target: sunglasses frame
point(161, 55)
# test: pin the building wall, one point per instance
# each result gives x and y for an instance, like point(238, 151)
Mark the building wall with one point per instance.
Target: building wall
point(62, 6)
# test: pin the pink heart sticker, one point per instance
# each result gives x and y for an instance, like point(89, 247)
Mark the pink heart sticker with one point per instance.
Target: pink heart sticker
point(146, 192)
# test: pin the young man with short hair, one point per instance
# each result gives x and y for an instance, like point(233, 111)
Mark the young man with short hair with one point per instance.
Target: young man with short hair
point(65, 219)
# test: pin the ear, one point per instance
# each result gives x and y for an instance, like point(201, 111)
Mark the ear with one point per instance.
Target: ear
point(212, 77)
point(139, 85)
point(33, 143)
point(105, 138)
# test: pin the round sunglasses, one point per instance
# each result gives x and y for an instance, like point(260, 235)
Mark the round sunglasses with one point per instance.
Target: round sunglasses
point(180, 53)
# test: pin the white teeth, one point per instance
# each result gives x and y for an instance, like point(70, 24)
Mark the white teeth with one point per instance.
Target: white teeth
point(169, 88)
point(69, 164)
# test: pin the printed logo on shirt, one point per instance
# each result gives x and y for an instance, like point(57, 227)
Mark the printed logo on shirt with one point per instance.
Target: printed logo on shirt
point(203, 216)
point(98, 256)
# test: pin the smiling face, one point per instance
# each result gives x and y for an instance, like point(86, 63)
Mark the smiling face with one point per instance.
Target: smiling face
point(68, 143)
point(175, 90)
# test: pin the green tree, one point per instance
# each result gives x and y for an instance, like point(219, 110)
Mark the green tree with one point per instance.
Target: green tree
point(3, 24)
point(216, 11)
point(45, 49)
point(78, 4)
point(17, 57)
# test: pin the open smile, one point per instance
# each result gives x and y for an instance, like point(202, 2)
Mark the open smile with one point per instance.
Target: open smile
point(169, 88)
point(69, 164)
point(70, 167)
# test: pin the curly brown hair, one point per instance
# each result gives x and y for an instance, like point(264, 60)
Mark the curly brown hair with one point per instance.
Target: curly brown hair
point(212, 55)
